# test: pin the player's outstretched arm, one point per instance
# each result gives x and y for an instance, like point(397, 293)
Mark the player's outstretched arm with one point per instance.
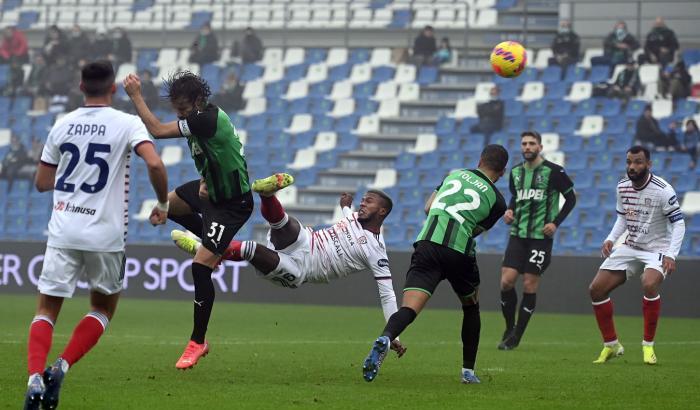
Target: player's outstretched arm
point(132, 86)
point(346, 203)
point(159, 181)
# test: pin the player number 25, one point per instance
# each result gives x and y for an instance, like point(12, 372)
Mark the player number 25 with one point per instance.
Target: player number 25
point(537, 257)
point(90, 159)
point(453, 210)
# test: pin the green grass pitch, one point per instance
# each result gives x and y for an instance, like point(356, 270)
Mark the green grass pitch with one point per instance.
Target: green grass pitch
point(304, 357)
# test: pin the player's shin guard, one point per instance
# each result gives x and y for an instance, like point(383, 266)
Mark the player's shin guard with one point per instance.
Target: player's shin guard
point(650, 309)
point(192, 222)
point(398, 322)
point(204, 295)
point(85, 336)
point(39, 344)
point(604, 316)
point(527, 309)
point(509, 303)
point(471, 331)
point(273, 211)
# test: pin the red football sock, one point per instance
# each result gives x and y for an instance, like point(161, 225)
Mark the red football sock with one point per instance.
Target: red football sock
point(271, 209)
point(604, 315)
point(233, 252)
point(40, 336)
point(651, 309)
point(85, 336)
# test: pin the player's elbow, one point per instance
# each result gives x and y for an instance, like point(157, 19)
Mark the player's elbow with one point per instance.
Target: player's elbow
point(42, 186)
point(155, 165)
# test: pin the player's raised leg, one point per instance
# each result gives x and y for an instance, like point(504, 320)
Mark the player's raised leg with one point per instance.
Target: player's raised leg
point(601, 286)
point(38, 347)
point(651, 307)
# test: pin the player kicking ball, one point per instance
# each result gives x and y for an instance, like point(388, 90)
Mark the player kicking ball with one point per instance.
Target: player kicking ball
point(464, 205)
point(648, 209)
point(295, 255)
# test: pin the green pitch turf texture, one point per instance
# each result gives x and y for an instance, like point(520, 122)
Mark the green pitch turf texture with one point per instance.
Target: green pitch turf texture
point(306, 357)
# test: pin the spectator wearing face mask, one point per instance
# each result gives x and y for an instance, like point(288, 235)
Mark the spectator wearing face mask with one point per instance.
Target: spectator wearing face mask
point(661, 44)
point(55, 45)
point(619, 45)
point(120, 49)
point(626, 83)
point(78, 44)
point(250, 49)
point(566, 46)
point(676, 81)
point(691, 141)
point(205, 47)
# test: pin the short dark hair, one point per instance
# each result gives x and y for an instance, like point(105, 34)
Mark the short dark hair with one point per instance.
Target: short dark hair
point(534, 134)
point(636, 149)
point(186, 84)
point(494, 157)
point(97, 78)
point(388, 203)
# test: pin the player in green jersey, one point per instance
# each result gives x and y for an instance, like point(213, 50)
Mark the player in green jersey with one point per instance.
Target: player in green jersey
point(464, 205)
point(534, 215)
point(222, 196)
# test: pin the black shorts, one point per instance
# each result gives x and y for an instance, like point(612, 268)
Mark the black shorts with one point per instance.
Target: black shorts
point(431, 263)
point(528, 255)
point(220, 221)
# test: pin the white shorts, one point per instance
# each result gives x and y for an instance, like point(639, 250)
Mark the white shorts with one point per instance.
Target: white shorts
point(295, 261)
point(633, 261)
point(104, 271)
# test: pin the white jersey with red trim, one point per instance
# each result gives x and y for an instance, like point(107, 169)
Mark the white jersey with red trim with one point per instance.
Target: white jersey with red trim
point(649, 213)
point(91, 148)
point(346, 248)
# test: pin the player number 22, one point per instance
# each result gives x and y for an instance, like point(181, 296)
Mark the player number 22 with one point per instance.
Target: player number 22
point(453, 210)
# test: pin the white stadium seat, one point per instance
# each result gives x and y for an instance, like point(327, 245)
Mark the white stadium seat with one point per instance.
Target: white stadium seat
point(556, 157)
point(316, 73)
point(337, 56)
point(385, 90)
point(409, 92)
point(300, 123)
point(273, 73)
point(588, 55)
point(590, 126)
point(304, 158)
point(361, 73)
point(405, 73)
point(691, 203)
point(580, 90)
point(325, 141)
point(482, 93)
point(254, 106)
point(341, 89)
point(384, 178)
point(254, 89)
point(146, 209)
point(542, 59)
point(297, 89)
point(272, 55)
point(369, 124)
point(380, 56)
point(662, 108)
point(294, 55)
point(171, 155)
point(389, 108)
point(532, 91)
point(648, 73)
point(424, 143)
point(466, 108)
point(550, 142)
point(343, 108)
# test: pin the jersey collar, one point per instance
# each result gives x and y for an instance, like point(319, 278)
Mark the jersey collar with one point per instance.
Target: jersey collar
point(645, 184)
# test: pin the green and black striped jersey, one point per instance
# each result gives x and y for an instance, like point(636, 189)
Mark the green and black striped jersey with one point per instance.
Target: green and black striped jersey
point(466, 204)
point(217, 152)
point(535, 197)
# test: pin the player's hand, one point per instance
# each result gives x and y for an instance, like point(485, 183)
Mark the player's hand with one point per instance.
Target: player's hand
point(132, 85)
point(669, 265)
point(158, 216)
point(398, 347)
point(508, 217)
point(549, 229)
point(606, 250)
point(203, 191)
point(345, 200)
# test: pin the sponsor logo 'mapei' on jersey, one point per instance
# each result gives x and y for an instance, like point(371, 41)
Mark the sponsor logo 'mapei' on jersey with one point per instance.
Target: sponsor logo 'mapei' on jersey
point(346, 248)
point(90, 148)
point(648, 212)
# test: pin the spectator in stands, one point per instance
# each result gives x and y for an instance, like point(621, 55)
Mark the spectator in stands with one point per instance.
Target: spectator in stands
point(691, 141)
point(649, 133)
point(566, 46)
point(444, 53)
point(16, 78)
point(78, 44)
point(676, 81)
point(59, 79)
point(424, 46)
point(14, 45)
point(55, 45)
point(626, 83)
point(490, 115)
point(661, 44)
point(149, 90)
point(250, 48)
point(618, 46)
point(205, 48)
point(230, 98)
point(100, 45)
point(13, 162)
point(120, 50)
point(36, 81)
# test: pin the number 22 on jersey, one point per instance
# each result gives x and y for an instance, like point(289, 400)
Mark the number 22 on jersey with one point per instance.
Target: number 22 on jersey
point(455, 186)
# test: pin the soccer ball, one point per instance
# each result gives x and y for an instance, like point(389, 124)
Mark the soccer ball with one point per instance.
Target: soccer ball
point(508, 59)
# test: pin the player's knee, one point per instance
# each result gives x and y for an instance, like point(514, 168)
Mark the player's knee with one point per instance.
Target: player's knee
point(596, 293)
point(650, 288)
point(507, 283)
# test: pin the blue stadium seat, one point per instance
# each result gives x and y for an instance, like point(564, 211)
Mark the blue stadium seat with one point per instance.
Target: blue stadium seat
point(685, 108)
point(445, 125)
point(561, 108)
point(364, 90)
point(516, 124)
point(409, 178)
point(339, 72)
point(429, 161)
point(513, 108)
point(474, 143)
point(593, 219)
point(542, 124)
point(359, 55)
point(576, 162)
point(465, 126)
point(251, 72)
point(27, 19)
point(574, 73)
point(276, 105)
point(276, 89)
point(200, 18)
point(557, 91)
point(454, 160)
point(551, 74)
point(427, 75)
point(687, 183)
point(536, 108)
point(616, 125)
point(449, 143)
point(587, 201)
point(401, 18)
point(611, 107)
point(299, 106)
point(383, 73)
point(256, 123)
point(320, 106)
point(596, 144)
point(366, 106)
point(679, 164)
point(585, 107)
point(529, 74)
point(346, 141)
point(322, 123)
point(405, 160)
point(599, 74)
point(510, 92)
point(566, 125)
point(635, 108)
point(278, 122)
point(321, 90)
point(295, 72)
point(347, 123)
point(315, 55)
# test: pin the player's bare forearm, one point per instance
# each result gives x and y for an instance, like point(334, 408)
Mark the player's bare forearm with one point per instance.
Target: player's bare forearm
point(159, 180)
point(156, 128)
point(45, 178)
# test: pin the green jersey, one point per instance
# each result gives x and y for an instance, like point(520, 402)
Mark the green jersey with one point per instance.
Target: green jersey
point(535, 198)
point(466, 204)
point(217, 152)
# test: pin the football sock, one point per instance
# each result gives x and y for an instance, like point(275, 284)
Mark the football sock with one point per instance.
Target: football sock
point(650, 309)
point(204, 295)
point(604, 316)
point(40, 336)
point(471, 330)
point(398, 322)
point(85, 336)
point(509, 302)
point(240, 250)
point(527, 308)
point(273, 211)
point(191, 222)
